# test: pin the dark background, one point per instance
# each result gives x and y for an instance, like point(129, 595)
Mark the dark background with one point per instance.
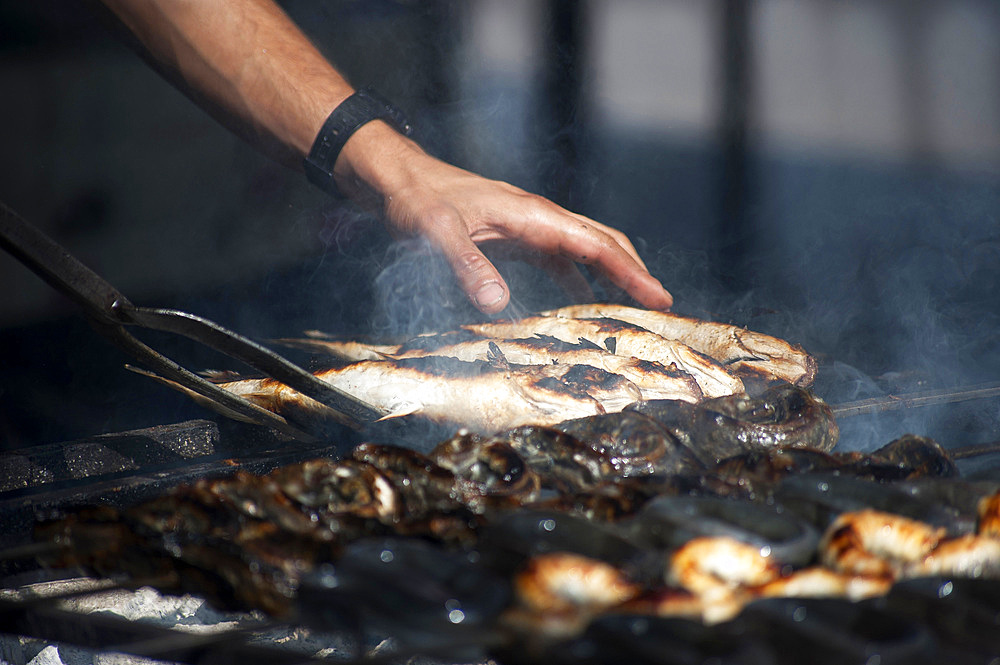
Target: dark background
point(853, 210)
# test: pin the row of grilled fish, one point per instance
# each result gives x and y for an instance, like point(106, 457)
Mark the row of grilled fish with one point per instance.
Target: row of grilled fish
point(567, 363)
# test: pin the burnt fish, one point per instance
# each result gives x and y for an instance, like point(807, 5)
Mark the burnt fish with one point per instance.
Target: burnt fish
point(744, 351)
point(482, 396)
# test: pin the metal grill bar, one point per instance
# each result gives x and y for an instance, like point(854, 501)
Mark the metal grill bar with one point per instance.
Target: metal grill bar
point(915, 400)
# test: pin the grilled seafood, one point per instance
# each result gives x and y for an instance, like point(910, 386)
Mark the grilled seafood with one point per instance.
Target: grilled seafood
point(622, 339)
point(559, 593)
point(563, 462)
point(246, 541)
point(612, 391)
point(510, 540)
point(821, 497)
point(496, 476)
point(635, 445)
point(870, 542)
point(563, 581)
point(967, 556)
point(428, 494)
point(478, 395)
point(347, 486)
point(819, 582)
point(907, 457)
point(726, 574)
point(742, 351)
point(709, 563)
point(324, 539)
point(654, 380)
point(719, 571)
point(196, 540)
point(670, 601)
point(345, 351)
point(783, 415)
point(989, 515)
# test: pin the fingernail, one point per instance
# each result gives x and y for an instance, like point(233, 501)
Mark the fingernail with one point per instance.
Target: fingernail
point(489, 294)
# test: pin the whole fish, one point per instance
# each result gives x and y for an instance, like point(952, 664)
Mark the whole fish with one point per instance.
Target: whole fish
point(622, 339)
point(482, 396)
point(741, 350)
point(346, 351)
point(653, 379)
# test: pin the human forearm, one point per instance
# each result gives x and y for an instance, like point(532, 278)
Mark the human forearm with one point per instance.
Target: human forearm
point(246, 62)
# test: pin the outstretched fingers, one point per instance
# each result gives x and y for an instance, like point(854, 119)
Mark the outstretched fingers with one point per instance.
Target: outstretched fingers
point(456, 211)
point(604, 249)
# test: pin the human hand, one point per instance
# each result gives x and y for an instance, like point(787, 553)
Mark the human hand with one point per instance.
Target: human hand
point(457, 211)
point(249, 64)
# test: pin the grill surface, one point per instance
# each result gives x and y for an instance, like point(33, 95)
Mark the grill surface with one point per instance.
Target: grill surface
point(126, 468)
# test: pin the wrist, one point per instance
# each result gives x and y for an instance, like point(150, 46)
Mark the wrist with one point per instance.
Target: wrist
point(375, 162)
point(362, 108)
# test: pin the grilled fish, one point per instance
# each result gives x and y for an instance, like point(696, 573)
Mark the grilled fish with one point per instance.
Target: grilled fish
point(654, 380)
point(622, 339)
point(741, 350)
point(347, 351)
point(485, 397)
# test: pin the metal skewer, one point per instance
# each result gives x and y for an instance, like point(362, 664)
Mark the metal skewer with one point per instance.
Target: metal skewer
point(915, 399)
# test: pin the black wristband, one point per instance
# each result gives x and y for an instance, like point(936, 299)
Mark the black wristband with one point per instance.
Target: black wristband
point(357, 110)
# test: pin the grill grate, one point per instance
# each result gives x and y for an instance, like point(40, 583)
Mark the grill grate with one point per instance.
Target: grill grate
point(921, 620)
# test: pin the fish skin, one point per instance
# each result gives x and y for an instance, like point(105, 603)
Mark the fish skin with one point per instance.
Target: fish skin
point(654, 380)
point(613, 391)
point(347, 351)
point(737, 348)
point(627, 340)
point(476, 395)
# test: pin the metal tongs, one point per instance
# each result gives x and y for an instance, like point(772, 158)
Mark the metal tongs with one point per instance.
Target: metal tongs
point(110, 312)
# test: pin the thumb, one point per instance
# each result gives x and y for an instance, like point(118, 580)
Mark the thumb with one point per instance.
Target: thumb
point(480, 280)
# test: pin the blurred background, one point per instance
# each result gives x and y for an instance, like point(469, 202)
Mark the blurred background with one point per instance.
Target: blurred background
point(825, 171)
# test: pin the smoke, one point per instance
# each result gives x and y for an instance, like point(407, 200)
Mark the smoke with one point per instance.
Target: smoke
point(891, 274)
point(415, 290)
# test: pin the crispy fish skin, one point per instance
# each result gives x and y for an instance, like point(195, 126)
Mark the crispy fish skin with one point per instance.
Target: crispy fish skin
point(479, 396)
point(348, 351)
point(739, 349)
point(622, 339)
point(654, 380)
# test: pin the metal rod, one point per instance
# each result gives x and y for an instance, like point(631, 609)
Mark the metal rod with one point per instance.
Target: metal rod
point(915, 400)
point(975, 450)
